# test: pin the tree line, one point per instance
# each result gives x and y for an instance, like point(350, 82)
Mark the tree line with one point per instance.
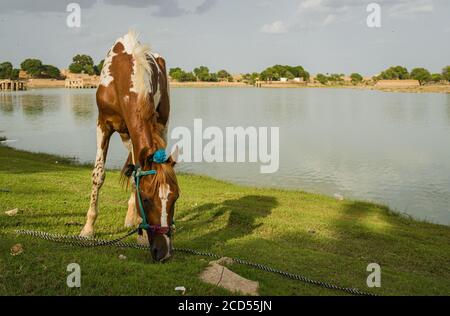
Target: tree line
point(200, 73)
point(36, 69)
point(392, 73)
point(420, 74)
point(85, 64)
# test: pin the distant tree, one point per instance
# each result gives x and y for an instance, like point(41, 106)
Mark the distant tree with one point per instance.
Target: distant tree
point(250, 78)
point(213, 77)
point(224, 75)
point(14, 74)
point(420, 74)
point(187, 77)
point(322, 79)
point(276, 72)
point(202, 73)
point(33, 67)
point(266, 75)
point(437, 77)
point(98, 68)
point(298, 72)
point(76, 68)
point(6, 69)
point(356, 78)
point(49, 71)
point(176, 73)
point(246, 78)
point(446, 73)
point(82, 64)
point(396, 72)
point(289, 75)
point(270, 74)
point(36, 69)
point(336, 78)
point(89, 69)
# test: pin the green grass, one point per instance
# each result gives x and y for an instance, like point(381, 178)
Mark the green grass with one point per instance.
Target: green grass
point(304, 233)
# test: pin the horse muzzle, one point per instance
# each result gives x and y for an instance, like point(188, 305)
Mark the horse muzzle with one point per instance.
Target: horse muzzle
point(161, 247)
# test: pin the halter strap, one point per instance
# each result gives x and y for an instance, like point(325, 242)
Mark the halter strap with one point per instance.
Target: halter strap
point(158, 157)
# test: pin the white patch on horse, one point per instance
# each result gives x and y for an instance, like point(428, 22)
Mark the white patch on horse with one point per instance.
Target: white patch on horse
point(141, 78)
point(157, 97)
point(157, 94)
point(142, 72)
point(164, 191)
point(132, 219)
point(105, 76)
point(128, 145)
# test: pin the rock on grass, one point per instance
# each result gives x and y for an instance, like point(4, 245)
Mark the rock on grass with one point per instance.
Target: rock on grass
point(13, 212)
point(219, 275)
point(16, 250)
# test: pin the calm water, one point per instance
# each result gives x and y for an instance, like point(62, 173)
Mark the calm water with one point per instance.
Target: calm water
point(392, 148)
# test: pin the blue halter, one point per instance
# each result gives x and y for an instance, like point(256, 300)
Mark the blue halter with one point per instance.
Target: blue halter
point(158, 157)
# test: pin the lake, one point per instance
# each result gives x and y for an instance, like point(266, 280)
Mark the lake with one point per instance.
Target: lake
point(390, 148)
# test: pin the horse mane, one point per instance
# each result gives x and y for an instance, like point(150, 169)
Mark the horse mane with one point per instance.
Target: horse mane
point(142, 74)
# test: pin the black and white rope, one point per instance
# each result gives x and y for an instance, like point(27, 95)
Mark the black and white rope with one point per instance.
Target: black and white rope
point(94, 242)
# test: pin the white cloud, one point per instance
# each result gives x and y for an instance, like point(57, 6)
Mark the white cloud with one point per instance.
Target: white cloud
point(329, 19)
point(411, 9)
point(276, 27)
point(311, 5)
point(320, 13)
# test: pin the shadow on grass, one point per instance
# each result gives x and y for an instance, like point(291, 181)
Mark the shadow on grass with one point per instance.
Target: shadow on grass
point(412, 254)
point(244, 215)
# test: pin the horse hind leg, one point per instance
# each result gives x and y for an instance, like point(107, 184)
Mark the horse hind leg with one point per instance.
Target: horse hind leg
point(132, 219)
point(98, 178)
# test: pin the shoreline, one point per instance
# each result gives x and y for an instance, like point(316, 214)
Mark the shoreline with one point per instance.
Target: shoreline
point(442, 88)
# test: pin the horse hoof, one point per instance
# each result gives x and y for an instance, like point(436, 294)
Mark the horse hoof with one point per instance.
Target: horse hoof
point(87, 233)
point(143, 240)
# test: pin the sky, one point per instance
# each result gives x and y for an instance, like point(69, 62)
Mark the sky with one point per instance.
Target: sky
point(327, 36)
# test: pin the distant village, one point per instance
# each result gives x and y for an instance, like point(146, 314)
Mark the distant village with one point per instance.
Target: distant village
point(82, 73)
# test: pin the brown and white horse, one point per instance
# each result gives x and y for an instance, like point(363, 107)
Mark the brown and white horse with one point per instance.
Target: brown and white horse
point(133, 100)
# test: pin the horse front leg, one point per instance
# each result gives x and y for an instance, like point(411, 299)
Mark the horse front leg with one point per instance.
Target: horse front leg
point(98, 178)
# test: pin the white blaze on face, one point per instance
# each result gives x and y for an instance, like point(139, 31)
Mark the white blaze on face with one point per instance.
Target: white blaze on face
point(164, 191)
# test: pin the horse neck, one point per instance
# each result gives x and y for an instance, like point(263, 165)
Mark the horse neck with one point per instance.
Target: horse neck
point(146, 140)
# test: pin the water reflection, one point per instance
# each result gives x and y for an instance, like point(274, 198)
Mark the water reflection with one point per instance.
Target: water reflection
point(83, 106)
point(6, 103)
point(32, 105)
point(448, 107)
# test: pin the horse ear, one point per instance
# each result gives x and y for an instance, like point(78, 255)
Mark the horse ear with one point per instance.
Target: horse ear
point(174, 155)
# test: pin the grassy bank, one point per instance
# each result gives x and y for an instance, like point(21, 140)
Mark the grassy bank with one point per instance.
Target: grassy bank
point(309, 234)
